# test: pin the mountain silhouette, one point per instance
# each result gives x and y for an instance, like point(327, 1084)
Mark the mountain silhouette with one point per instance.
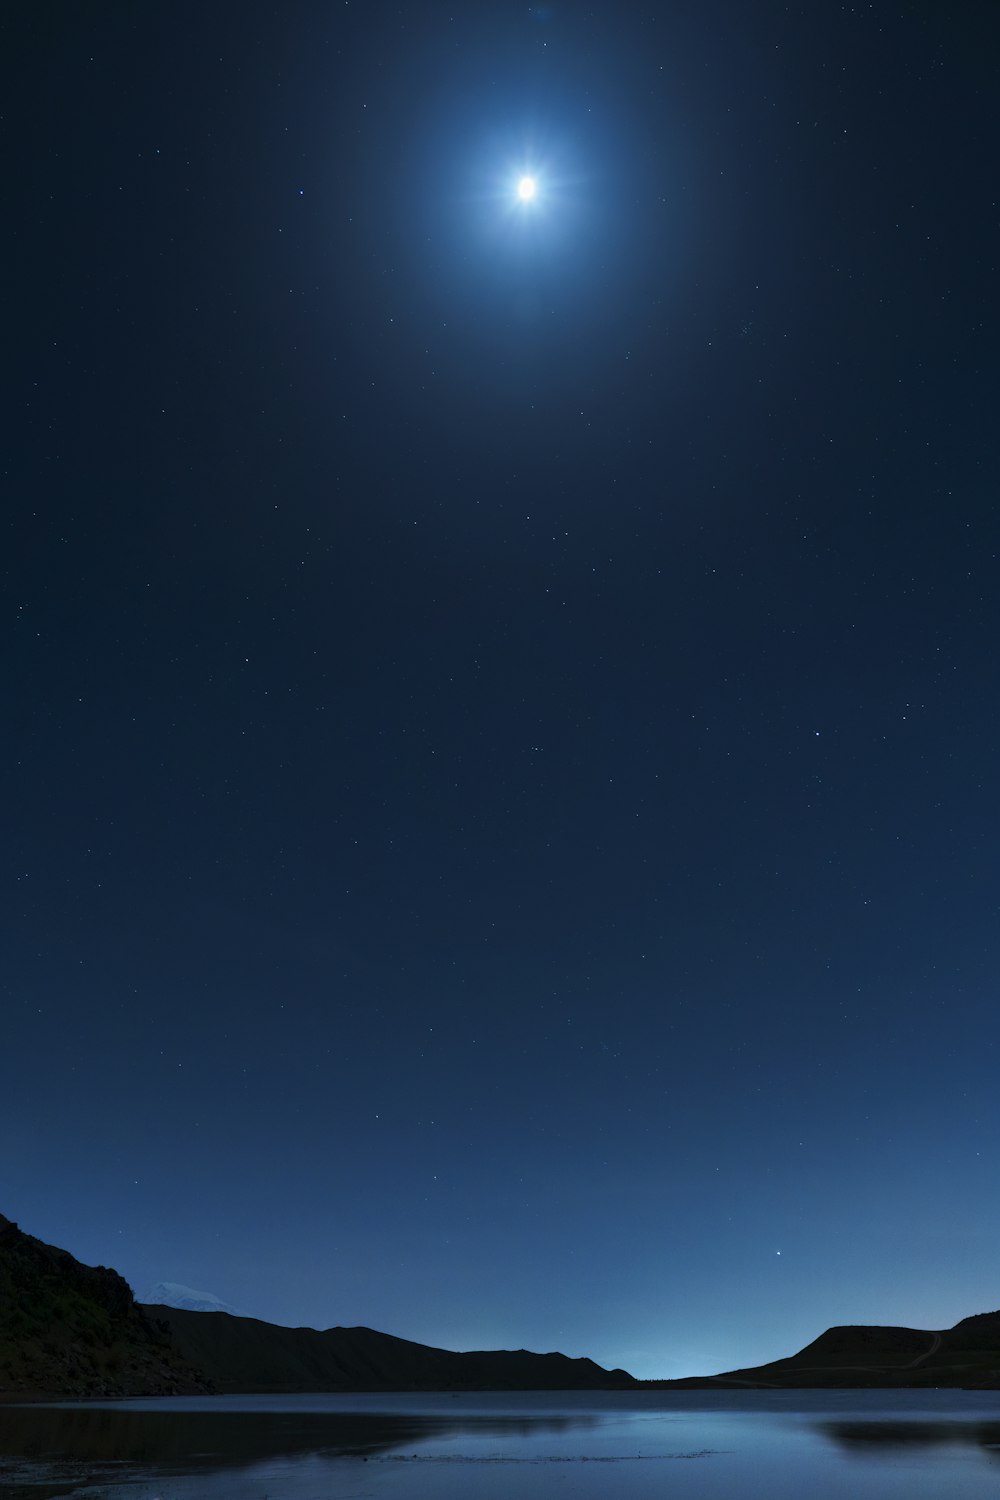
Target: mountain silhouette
point(861, 1355)
point(67, 1329)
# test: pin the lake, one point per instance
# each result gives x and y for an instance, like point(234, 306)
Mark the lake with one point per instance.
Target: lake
point(758, 1445)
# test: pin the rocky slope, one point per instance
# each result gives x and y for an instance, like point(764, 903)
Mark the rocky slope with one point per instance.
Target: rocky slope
point(72, 1330)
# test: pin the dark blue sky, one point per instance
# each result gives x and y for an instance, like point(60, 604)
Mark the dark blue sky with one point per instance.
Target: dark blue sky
point(501, 703)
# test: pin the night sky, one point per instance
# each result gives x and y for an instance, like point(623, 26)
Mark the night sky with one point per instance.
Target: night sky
point(500, 699)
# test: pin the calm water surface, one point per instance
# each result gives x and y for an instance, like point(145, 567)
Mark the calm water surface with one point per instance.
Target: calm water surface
point(702, 1445)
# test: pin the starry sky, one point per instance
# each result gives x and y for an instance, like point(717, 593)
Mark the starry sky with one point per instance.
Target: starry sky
point(501, 738)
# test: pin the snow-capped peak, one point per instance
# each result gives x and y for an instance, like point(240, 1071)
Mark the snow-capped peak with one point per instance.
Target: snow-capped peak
point(173, 1294)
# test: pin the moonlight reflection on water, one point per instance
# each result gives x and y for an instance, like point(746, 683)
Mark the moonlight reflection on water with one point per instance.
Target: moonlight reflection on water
point(755, 1444)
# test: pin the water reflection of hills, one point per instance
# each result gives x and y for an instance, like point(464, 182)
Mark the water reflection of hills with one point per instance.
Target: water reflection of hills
point(114, 1444)
point(897, 1435)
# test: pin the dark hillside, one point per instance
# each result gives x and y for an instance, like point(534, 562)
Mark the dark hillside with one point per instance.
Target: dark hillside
point(72, 1330)
point(242, 1354)
point(967, 1355)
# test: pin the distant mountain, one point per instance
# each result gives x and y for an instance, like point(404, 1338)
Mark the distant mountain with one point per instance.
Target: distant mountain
point(967, 1355)
point(244, 1355)
point(72, 1330)
point(173, 1294)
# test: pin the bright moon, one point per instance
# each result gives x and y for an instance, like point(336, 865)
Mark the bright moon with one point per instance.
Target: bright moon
point(526, 189)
